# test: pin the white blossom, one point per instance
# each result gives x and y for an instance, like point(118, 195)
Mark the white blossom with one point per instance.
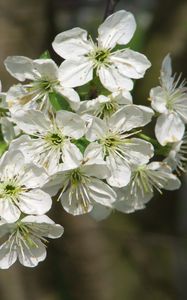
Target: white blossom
point(8, 129)
point(20, 185)
point(27, 240)
point(50, 144)
point(170, 100)
point(44, 78)
point(104, 106)
point(145, 178)
point(177, 156)
point(82, 187)
point(117, 146)
point(115, 68)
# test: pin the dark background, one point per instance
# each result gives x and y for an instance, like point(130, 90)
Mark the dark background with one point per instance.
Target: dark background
point(127, 257)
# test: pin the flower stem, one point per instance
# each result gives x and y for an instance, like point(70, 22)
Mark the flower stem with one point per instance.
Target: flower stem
point(110, 7)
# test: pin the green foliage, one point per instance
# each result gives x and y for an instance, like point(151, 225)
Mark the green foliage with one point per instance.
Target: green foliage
point(81, 144)
point(3, 147)
point(58, 102)
point(45, 55)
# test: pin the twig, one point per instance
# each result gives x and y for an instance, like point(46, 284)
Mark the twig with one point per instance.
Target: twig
point(110, 7)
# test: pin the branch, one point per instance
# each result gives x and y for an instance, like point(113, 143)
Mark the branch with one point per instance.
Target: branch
point(110, 7)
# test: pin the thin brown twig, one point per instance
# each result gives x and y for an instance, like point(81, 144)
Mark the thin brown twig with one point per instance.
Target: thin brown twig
point(110, 7)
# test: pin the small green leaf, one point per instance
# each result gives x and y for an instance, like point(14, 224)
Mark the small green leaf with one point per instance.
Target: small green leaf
point(3, 147)
point(58, 102)
point(81, 144)
point(45, 55)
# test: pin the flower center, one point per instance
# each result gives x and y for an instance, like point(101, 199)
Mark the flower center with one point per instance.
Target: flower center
point(107, 109)
point(9, 189)
point(110, 143)
point(55, 139)
point(44, 85)
point(76, 177)
point(99, 57)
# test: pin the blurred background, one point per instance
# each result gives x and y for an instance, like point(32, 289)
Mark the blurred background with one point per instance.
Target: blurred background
point(126, 257)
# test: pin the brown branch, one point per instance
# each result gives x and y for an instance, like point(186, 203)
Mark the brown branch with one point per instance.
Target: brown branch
point(110, 7)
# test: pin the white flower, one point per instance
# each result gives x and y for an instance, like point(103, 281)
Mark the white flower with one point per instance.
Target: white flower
point(177, 156)
point(144, 180)
point(119, 150)
point(44, 78)
point(82, 187)
point(170, 100)
point(20, 188)
point(8, 129)
point(50, 145)
point(104, 106)
point(114, 67)
point(27, 240)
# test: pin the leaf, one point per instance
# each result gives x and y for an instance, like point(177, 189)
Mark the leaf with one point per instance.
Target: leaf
point(3, 147)
point(45, 55)
point(58, 102)
point(81, 144)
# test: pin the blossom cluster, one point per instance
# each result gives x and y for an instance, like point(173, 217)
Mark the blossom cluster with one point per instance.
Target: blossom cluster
point(72, 133)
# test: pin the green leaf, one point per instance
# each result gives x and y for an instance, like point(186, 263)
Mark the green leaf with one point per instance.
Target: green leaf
point(58, 102)
point(3, 147)
point(81, 144)
point(45, 55)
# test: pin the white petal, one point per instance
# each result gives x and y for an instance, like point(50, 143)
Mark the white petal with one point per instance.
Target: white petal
point(172, 182)
point(7, 256)
point(120, 172)
point(30, 257)
point(100, 212)
point(31, 121)
point(122, 97)
point(180, 106)
point(130, 63)
point(70, 95)
point(33, 176)
point(71, 156)
point(113, 80)
point(139, 151)
point(46, 68)
point(101, 193)
point(72, 43)
point(99, 170)
point(18, 97)
point(97, 129)
point(169, 128)
point(128, 203)
point(129, 117)
point(72, 125)
point(75, 206)
point(74, 73)
point(166, 71)
point(12, 163)
point(118, 28)
point(8, 211)
point(7, 129)
point(35, 202)
point(158, 99)
point(93, 154)
point(46, 226)
point(20, 67)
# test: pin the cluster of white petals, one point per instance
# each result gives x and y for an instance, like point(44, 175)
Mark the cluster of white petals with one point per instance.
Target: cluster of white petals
point(83, 146)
